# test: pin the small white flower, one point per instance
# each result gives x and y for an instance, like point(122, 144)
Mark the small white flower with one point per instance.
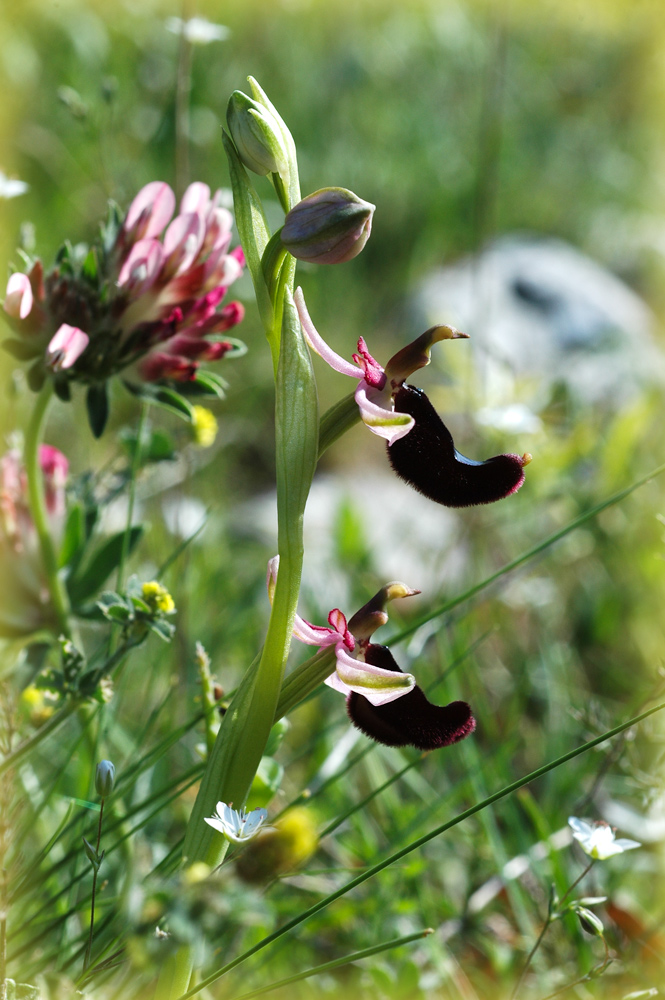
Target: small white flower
point(598, 840)
point(11, 187)
point(237, 825)
point(197, 30)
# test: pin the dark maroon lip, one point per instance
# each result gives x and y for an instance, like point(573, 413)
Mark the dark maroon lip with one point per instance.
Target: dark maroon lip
point(427, 459)
point(410, 720)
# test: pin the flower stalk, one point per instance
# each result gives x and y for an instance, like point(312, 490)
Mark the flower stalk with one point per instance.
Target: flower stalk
point(37, 501)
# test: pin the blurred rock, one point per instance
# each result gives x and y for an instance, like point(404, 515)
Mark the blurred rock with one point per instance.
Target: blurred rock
point(537, 308)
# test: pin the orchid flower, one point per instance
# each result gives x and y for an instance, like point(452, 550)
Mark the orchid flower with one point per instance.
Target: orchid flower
point(420, 447)
point(351, 674)
point(382, 701)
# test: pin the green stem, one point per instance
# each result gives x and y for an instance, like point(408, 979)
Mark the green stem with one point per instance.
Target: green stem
point(576, 882)
point(183, 86)
point(529, 959)
point(88, 950)
point(72, 706)
point(136, 465)
point(337, 962)
point(37, 500)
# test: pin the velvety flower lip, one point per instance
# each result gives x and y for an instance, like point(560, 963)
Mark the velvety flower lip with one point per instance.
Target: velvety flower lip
point(429, 461)
point(413, 720)
point(420, 447)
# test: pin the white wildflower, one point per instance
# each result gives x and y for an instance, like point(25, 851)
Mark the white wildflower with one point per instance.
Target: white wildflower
point(237, 825)
point(197, 30)
point(598, 840)
point(11, 187)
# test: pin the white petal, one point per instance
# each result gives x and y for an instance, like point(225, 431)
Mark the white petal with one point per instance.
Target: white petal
point(627, 845)
point(254, 821)
point(379, 686)
point(378, 415)
point(216, 824)
point(581, 829)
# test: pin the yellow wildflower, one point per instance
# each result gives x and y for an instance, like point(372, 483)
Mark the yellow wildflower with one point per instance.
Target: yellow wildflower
point(204, 426)
point(37, 705)
point(158, 597)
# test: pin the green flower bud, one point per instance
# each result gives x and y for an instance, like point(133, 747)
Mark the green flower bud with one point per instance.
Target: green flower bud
point(104, 778)
point(330, 226)
point(257, 136)
point(589, 921)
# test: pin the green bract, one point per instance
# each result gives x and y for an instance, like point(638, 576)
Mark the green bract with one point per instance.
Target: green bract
point(257, 135)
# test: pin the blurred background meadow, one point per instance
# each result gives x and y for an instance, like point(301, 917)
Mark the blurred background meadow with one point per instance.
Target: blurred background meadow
point(515, 154)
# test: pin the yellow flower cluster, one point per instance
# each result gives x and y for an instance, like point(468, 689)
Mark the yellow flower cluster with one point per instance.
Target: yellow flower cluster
point(204, 426)
point(158, 597)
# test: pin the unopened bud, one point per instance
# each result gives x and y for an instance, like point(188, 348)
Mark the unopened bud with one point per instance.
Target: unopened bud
point(330, 226)
point(590, 922)
point(104, 778)
point(257, 135)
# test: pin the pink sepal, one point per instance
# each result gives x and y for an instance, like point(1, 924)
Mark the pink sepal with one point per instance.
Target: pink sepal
point(318, 344)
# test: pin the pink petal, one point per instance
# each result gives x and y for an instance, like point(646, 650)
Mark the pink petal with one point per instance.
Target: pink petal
point(314, 635)
point(338, 621)
point(159, 364)
point(18, 299)
point(221, 269)
point(143, 265)
point(182, 242)
point(153, 205)
point(65, 347)
point(196, 199)
point(379, 686)
point(318, 344)
point(381, 419)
